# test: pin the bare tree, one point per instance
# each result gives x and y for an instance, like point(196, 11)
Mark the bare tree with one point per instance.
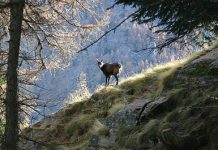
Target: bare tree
point(42, 34)
point(11, 127)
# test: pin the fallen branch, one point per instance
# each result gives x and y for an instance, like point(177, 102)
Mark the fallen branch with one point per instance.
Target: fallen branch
point(138, 119)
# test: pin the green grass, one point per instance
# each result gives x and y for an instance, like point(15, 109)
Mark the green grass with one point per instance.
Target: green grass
point(137, 137)
point(149, 131)
point(201, 69)
point(182, 117)
point(128, 140)
point(182, 96)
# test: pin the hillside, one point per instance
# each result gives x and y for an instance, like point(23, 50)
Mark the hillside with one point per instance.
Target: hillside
point(118, 46)
point(173, 106)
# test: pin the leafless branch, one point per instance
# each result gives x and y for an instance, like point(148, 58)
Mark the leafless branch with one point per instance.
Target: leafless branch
point(107, 32)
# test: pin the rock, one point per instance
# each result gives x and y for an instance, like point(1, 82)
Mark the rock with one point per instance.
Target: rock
point(153, 108)
point(29, 145)
point(94, 141)
point(130, 114)
point(97, 141)
point(211, 56)
point(205, 65)
point(121, 117)
point(136, 105)
point(126, 116)
point(107, 141)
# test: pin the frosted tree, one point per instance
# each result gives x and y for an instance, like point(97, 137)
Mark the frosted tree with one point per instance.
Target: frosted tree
point(82, 91)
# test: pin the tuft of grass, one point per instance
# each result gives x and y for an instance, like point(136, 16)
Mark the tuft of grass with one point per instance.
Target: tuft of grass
point(137, 137)
point(79, 126)
point(110, 90)
point(115, 107)
point(170, 137)
point(128, 98)
point(106, 96)
point(200, 69)
point(74, 108)
point(138, 84)
point(127, 136)
point(149, 131)
point(163, 73)
point(214, 138)
point(172, 116)
point(80, 145)
point(58, 129)
point(99, 129)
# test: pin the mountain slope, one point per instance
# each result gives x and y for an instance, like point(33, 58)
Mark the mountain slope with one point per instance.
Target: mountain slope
point(118, 46)
point(174, 106)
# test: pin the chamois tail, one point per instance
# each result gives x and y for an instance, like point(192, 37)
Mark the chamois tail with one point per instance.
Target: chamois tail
point(119, 65)
point(120, 68)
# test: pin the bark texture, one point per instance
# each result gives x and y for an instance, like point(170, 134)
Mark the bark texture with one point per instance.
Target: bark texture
point(12, 106)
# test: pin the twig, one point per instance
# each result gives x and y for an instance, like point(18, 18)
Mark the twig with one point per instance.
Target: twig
point(34, 141)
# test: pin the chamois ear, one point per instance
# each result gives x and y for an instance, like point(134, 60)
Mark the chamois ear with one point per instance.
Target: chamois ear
point(97, 59)
point(101, 60)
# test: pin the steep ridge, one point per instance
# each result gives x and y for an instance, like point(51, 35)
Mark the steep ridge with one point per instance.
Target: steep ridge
point(173, 106)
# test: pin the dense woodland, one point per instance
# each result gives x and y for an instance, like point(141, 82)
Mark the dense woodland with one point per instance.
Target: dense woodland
point(48, 52)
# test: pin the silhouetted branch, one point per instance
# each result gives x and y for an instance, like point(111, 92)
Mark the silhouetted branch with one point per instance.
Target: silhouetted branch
point(111, 6)
point(107, 32)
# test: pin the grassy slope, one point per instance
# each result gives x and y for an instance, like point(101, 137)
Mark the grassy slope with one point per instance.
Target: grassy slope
point(188, 119)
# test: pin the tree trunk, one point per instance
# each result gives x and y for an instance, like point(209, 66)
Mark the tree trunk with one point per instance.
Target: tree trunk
point(12, 106)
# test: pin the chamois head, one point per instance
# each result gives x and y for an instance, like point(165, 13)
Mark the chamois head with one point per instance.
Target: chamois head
point(100, 62)
point(109, 69)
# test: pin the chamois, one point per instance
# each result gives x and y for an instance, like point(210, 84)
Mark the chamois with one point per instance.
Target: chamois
point(110, 69)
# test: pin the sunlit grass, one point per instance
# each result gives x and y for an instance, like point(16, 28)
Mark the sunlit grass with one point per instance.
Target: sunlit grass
point(139, 83)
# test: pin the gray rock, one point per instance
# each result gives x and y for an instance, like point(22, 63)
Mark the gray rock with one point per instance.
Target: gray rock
point(107, 141)
point(94, 140)
point(126, 116)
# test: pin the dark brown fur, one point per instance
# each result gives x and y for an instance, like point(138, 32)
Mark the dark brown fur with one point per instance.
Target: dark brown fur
point(109, 70)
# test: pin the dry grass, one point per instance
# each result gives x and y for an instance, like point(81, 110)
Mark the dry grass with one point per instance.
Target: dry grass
point(99, 129)
point(115, 107)
point(79, 126)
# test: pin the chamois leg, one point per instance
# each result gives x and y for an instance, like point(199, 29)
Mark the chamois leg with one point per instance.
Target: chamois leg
point(116, 79)
point(108, 80)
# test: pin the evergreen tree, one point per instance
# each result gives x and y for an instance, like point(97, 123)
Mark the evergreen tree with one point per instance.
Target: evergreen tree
point(178, 18)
